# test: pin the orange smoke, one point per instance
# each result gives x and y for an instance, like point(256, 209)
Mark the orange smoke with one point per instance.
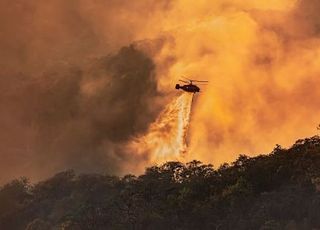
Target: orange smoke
point(262, 60)
point(166, 138)
point(58, 109)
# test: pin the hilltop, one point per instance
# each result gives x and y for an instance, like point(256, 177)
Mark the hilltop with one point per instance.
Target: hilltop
point(275, 191)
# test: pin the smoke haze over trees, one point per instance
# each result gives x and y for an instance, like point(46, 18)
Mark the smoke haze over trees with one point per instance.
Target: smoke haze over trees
point(74, 91)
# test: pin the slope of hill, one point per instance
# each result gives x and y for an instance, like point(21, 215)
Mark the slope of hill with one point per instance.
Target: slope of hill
point(275, 191)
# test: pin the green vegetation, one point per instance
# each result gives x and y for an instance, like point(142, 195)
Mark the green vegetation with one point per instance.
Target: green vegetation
point(275, 191)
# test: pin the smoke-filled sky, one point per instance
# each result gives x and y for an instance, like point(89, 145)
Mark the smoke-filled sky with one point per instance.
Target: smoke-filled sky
point(80, 79)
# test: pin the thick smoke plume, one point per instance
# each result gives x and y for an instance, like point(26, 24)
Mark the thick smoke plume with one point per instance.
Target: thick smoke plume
point(70, 96)
point(77, 118)
point(262, 61)
point(74, 92)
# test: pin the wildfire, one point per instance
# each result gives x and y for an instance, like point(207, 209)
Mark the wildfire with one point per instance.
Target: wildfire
point(166, 138)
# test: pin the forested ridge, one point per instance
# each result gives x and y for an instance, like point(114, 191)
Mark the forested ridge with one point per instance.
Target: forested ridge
point(280, 190)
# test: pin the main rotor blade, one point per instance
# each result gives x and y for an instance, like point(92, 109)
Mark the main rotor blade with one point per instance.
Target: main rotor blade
point(198, 81)
point(184, 81)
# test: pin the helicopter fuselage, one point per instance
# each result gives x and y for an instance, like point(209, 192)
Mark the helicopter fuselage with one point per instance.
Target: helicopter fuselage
point(191, 88)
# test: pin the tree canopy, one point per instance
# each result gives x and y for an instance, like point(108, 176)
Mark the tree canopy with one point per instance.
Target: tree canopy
point(275, 191)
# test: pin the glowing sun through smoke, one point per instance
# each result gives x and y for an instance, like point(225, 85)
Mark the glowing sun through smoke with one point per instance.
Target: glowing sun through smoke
point(166, 137)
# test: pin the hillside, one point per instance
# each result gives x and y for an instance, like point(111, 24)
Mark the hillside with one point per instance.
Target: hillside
point(275, 191)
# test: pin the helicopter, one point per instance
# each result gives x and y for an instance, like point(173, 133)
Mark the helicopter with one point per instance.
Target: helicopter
point(190, 87)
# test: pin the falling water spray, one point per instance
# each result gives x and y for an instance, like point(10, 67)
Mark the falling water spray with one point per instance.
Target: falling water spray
point(166, 139)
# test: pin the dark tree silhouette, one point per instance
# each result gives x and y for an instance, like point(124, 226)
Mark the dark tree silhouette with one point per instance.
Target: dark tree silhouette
point(276, 191)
